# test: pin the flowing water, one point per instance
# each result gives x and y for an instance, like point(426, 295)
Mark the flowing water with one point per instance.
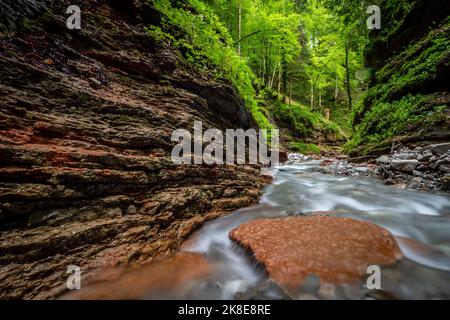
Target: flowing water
point(410, 215)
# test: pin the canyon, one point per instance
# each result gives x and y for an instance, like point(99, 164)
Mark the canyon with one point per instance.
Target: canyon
point(88, 177)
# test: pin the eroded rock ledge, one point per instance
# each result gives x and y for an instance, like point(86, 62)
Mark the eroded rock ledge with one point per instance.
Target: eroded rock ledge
point(85, 124)
point(337, 250)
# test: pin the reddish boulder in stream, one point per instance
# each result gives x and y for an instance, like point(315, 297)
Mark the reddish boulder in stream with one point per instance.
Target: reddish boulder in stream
point(338, 250)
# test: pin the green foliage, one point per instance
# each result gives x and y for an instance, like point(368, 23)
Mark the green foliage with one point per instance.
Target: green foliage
point(337, 35)
point(263, 50)
point(206, 43)
point(395, 12)
point(312, 52)
point(297, 48)
point(413, 72)
point(269, 33)
point(299, 118)
point(390, 108)
point(304, 148)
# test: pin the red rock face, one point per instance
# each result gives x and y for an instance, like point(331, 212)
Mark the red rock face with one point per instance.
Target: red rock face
point(338, 250)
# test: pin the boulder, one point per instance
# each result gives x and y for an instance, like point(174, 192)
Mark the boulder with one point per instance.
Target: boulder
point(446, 182)
point(284, 156)
point(426, 156)
point(433, 165)
point(417, 173)
point(410, 155)
point(338, 250)
point(441, 148)
point(445, 169)
point(362, 169)
point(404, 165)
point(415, 183)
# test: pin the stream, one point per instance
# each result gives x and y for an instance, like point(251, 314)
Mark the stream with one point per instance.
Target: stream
point(420, 221)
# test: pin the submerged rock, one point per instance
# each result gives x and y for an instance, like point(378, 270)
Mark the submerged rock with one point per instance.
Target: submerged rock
point(338, 250)
point(175, 273)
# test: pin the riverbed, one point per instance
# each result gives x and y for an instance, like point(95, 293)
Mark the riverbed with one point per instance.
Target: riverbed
point(420, 222)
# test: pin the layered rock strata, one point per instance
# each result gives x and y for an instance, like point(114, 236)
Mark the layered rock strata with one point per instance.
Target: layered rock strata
point(86, 119)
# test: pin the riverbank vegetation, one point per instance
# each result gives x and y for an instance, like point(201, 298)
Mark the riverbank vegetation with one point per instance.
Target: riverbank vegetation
point(303, 66)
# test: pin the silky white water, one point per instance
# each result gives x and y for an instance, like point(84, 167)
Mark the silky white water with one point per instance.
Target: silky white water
point(296, 190)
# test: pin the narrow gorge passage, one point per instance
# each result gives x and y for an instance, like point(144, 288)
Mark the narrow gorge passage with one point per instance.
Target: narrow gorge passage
point(224, 149)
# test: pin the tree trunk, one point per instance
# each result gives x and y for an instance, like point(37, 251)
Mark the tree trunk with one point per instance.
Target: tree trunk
point(268, 66)
point(228, 19)
point(336, 90)
point(290, 95)
point(273, 77)
point(264, 68)
point(312, 96)
point(239, 27)
point(279, 79)
point(320, 99)
point(349, 90)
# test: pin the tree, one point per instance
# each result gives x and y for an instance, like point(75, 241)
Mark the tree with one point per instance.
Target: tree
point(239, 27)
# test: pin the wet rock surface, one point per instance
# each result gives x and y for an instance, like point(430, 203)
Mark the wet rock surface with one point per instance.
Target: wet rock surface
point(337, 165)
point(337, 250)
point(153, 280)
point(86, 118)
point(423, 168)
point(420, 168)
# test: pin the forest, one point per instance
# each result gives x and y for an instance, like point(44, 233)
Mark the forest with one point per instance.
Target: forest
point(292, 62)
point(300, 65)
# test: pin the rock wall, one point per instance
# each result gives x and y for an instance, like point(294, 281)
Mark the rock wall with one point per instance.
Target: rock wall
point(86, 118)
point(408, 100)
